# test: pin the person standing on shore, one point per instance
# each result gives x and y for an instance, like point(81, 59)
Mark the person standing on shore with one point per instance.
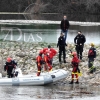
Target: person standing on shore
point(75, 62)
point(64, 26)
point(79, 41)
point(10, 67)
point(91, 56)
point(39, 61)
point(61, 44)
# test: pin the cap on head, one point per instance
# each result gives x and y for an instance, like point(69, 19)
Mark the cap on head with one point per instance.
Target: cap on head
point(49, 46)
point(74, 53)
point(92, 44)
point(9, 59)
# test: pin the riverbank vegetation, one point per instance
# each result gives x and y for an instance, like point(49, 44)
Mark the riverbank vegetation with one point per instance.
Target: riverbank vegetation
point(52, 6)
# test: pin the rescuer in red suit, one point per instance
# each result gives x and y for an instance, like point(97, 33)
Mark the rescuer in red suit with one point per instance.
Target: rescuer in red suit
point(47, 61)
point(52, 53)
point(75, 61)
point(39, 60)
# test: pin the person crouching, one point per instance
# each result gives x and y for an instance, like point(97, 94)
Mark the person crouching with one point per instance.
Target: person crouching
point(75, 61)
point(47, 60)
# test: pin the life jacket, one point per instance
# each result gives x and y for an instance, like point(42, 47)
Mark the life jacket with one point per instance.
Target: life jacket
point(75, 59)
point(91, 52)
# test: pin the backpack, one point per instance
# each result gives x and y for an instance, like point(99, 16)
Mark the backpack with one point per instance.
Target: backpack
point(91, 52)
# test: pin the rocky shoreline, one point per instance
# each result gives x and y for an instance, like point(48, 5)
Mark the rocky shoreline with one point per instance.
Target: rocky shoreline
point(25, 54)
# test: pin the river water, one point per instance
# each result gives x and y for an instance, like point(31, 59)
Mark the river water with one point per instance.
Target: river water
point(49, 34)
point(53, 91)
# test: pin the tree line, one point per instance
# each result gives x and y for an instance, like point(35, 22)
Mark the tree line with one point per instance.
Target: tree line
point(52, 6)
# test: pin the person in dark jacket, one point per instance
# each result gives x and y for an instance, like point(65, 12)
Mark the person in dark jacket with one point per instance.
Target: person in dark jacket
point(64, 26)
point(79, 41)
point(9, 66)
point(61, 43)
point(91, 56)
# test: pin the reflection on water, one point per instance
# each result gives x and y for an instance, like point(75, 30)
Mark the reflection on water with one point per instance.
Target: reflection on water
point(52, 91)
point(92, 33)
point(47, 33)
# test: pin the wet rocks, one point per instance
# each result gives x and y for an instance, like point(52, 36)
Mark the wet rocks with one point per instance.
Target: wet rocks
point(25, 54)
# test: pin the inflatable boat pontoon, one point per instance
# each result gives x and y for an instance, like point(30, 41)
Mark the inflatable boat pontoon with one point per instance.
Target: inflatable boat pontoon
point(44, 78)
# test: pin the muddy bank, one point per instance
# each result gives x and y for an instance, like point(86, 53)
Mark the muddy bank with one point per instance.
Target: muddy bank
point(25, 54)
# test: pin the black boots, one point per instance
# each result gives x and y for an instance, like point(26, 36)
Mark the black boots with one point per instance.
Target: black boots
point(71, 82)
point(64, 61)
point(93, 70)
point(77, 82)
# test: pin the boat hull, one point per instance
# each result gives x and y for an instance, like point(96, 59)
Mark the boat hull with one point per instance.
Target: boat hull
point(43, 79)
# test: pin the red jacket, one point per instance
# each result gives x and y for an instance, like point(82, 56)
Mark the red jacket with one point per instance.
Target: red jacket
point(52, 52)
point(75, 60)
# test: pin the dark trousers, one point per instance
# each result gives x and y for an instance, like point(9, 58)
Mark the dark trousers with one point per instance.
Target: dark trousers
point(62, 50)
point(65, 34)
point(90, 62)
point(90, 65)
point(9, 74)
point(79, 49)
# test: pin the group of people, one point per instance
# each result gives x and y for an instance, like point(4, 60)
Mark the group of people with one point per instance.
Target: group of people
point(79, 41)
point(45, 57)
point(76, 59)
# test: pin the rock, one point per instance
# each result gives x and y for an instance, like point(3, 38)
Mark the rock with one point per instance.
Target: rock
point(34, 56)
point(25, 54)
point(38, 48)
point(4, 74)
point(34, 51)
point(22, 54)
point(5, 53)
